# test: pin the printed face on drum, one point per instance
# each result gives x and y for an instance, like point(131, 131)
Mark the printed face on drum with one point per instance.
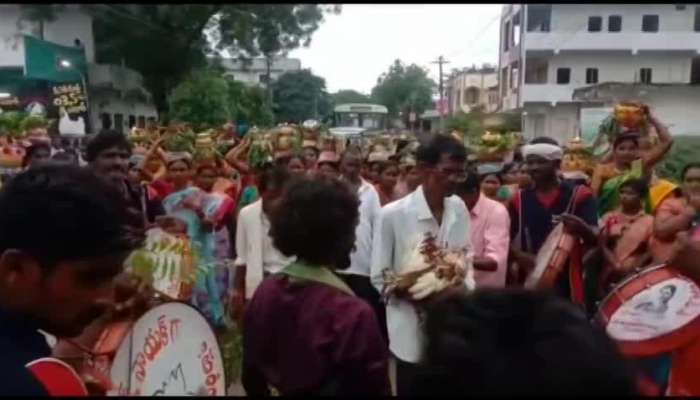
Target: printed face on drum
point(541, 169)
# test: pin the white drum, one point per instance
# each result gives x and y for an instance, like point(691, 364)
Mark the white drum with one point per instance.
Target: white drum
point(170, 351)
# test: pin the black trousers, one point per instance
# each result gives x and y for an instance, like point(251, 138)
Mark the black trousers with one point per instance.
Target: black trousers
point(363, 288)
point(406, 374)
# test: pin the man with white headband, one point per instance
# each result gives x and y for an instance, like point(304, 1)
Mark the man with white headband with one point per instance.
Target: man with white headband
point(536, 211)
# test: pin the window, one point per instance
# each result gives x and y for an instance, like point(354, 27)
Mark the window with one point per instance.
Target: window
point(514, 75)
point(106, 120)
point(650, 23)
point(471, 96)
point(614, 23)
point(645, 75)
point(516, 29)
point(504, 81)
point(695, 71)
point(536, 71)
point(262, 78)
point(538, 17)
point(591, 75)
point(132, 121)
point(142, 121)
point(506, 36)
point(458, 97)
point(563, 76)
point(595, 24)
point(119, 122)
point(697, 19)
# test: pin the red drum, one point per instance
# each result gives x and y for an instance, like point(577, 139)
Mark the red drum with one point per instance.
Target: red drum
point(171, 350)
point(652, 312)
point(551, 259)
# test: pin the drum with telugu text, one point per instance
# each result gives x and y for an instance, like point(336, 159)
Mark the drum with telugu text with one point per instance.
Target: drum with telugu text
point(653, 312)
point(170, 350)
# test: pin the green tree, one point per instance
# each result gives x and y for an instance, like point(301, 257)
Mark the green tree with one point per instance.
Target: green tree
point(300, 95)
point(248, 103)
point(350, 96)
point(165, 42)
point(404, 89)
point(201, 100)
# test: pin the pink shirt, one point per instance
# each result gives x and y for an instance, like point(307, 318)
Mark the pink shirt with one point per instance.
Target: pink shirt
point(490, 235)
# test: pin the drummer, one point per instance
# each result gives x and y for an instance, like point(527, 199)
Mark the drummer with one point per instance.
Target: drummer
point(540, 206)
point(676, 214)
point(56, 274)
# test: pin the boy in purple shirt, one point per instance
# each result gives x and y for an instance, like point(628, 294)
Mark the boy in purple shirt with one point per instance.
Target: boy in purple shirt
point(305, 332)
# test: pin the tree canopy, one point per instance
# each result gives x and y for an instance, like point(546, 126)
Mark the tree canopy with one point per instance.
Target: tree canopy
point(350, 96)
point(206, 99)
point(404, 89)
point(165, 42)
point(300, 95)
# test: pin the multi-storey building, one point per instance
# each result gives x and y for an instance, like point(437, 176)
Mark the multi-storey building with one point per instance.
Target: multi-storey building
point(116, 94)
point(553, 56)
point(254, 72)
point(472, 87)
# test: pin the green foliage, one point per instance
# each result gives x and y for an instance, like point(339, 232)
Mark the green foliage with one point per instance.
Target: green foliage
point(248, 103)
point(300, 95)
point(685, 149)
point(404, 89)
point(11, 123)
point(201, 100)
point(475, 123)
point(349, 96)
point(470, 124)
point(165, 42)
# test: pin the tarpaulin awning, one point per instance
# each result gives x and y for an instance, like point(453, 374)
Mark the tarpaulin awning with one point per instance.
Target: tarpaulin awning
point(42, 61)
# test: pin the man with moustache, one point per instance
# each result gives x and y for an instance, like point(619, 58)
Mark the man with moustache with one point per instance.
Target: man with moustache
point(402, 225)
point(63, 240)
point(108, 156)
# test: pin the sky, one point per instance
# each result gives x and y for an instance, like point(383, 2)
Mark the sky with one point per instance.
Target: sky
point(352, 49)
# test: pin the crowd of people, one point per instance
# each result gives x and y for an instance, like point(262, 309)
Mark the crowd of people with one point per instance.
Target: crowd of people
point(312, 235)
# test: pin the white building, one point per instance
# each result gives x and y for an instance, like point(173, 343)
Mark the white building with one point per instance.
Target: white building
point(472, 87)
point(116, 96)
point(254, 72)
point(565, 47)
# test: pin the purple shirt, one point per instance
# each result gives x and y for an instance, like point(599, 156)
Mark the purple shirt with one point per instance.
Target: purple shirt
point(300, 337)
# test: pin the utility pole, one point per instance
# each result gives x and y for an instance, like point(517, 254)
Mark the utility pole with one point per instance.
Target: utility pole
point(440, 61)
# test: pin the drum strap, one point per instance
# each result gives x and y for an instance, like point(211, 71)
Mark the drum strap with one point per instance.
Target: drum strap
point(322, 275)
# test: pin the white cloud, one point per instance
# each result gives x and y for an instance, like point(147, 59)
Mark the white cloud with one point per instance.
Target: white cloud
point(352, 49)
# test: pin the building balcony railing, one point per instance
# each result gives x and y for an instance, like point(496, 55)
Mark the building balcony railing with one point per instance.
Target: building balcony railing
point(117, 78)
point(546, 93)
point(632, 41)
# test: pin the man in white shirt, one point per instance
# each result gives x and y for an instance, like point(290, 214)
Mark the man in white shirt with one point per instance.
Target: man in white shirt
point(402, 225)
point(357, 274)
point(257, 257)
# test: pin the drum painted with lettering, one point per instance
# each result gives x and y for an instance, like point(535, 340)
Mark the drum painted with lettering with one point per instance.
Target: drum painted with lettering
point(551, 259)
point(170, 350)
point(653, 312)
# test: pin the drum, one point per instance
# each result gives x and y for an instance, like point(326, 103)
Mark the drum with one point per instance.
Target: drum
point(169, 350)
point(652, 312)
point(551, 259)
